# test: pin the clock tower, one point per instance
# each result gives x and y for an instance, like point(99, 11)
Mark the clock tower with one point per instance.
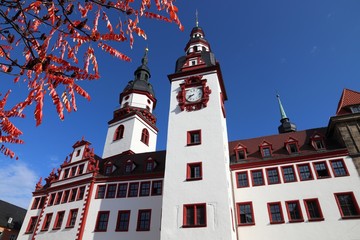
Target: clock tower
point(132, 128)
point(197, 199)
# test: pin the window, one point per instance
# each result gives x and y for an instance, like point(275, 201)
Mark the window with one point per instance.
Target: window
point(72, 218)
point(35, 203)
point(242, 179)
point(66, 196)
point(143, 223)
point(81, 169)
point(355, 109)
point(294, 211)
point(275, 213)
point(129, 166)
point(245, 213)
point(194, 215)
point(145, 189)
point(66, 173)
point(288, 174)
point(47, 222)
point(81, 193)
point(100, 193)
point(111, 191)
point(194, 171)
point(145, 136)
point(304, 172)
point(58, 197)
point(292, 148)
point(321, 170)
point(317, 141)
point(73, 171)
point(272, 175)
point(123, 219)
point(31, 226)
point(102, 221)
point(119, 133)
point(77, 153)
point(133, 190)
point(12, 237)
point(150, 165)
point(347, 205)
point(194, 137)
point(257, 177)
point(240, 150)
point(42, 202)
point(156, 188)
point(59, 219)
point(122, 190)
point(313, 209)
point(339, 168)
point(266, 152)
point(108, 169)
point(73, 194)
point(52, 199)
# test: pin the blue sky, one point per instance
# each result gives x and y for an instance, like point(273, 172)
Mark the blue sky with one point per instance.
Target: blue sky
point(308, 51)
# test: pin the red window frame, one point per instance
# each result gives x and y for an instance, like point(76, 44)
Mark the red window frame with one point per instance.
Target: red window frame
point(102, 221)
point(279, 213)
point(42, 202)
point(311, 177)
point(131, 192)
point(35, 203)
point(32, 224)
point(313, 211)
point(119, 191)
point(269, 177)
point(80, 169)
point(294, 212)
point(59, 219)
point(145, 136)
point(123, 220)
point(191, 139)
point(144, 220)
point(65, 196)
point(155, 189)
point(73, 171)
point(58, 198)
point(191, 173)
point(253, 179)
point(284, 174)
point(145, 189)
point(355, 211)
point(100, 191)
point(66, 173)
point(47, 221)
point(72, 218)
point(243, 215)
point(81, 194)
point(73, 194)
point(191, 218)
point(265, 145)
point(335, 171)
point(326, 170)
point(111, 191)
point(52, 199)
point(119, 133)
point(244, 173)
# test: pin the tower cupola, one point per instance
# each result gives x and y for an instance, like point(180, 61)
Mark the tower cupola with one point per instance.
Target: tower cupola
point(286, 125)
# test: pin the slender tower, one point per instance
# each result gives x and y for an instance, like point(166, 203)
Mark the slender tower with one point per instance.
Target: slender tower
point(132, 128)
point(197, 199)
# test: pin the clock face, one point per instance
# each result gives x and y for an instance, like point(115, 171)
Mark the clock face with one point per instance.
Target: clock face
point(193, 94)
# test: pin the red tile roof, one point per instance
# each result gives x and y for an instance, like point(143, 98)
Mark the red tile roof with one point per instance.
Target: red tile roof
point(348, 98)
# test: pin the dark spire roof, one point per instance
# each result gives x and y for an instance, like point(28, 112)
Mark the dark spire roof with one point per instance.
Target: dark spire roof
point(286, 125)
point(141, 78)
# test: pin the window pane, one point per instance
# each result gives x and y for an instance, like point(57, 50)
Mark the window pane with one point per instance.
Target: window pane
point(289, 175)
point(257, 178)
point(339, 168)
point(243, 180)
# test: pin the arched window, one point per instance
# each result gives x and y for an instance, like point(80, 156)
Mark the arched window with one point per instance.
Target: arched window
point(145, 136)
point(119, 133)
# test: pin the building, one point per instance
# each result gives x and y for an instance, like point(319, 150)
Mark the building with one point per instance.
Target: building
point(300, 183)
point(11, 219)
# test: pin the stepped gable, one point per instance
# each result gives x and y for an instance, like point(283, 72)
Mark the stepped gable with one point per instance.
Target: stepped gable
point(139, 161)
point(348, 98)
point(277, 143)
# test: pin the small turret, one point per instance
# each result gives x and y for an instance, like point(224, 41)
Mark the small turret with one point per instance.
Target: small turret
point(286, 125)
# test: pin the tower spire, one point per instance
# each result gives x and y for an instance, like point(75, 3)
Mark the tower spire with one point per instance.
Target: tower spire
point(196, 18)
point(286, 125)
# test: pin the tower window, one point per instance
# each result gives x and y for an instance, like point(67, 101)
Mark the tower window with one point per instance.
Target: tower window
point(119, 133)
point(194, 215)
point(194, 171)
point(194, 137)
point(145, 136)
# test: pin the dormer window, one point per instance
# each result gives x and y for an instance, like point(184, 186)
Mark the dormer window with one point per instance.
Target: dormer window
point(292, 145)
point(108, 169)
point(150, 165)
point(317, 141)
point(355, 109)
point(240, 152)
point(129, 166)
point(266, 149)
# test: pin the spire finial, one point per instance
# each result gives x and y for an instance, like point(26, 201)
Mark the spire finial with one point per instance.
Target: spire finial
point(197, 18)
point(282, 111)
point(144, 60)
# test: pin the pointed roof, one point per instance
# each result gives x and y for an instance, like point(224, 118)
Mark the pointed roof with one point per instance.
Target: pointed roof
point(286, 125)
point(348, 98)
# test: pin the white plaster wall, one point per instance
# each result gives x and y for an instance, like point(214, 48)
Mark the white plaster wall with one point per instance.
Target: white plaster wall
point(332, 228)
point(133, 127)
point(29, 214)
point(214, 189)
point(75, 158)
point(134, 204)
point(138, 100)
